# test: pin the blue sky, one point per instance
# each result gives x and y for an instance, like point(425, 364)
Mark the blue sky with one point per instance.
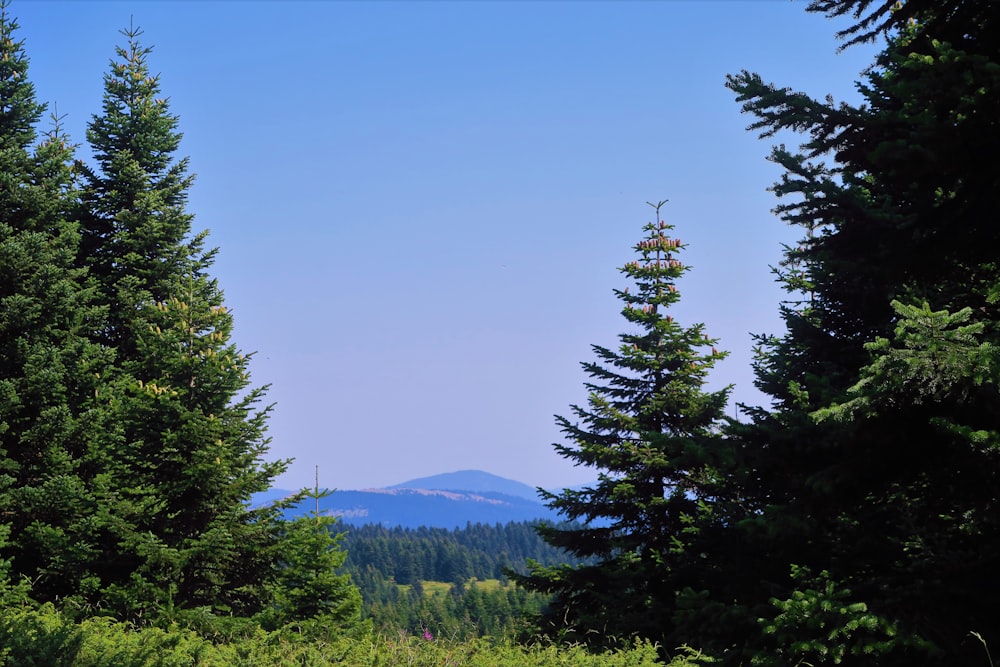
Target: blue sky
point(421, 206)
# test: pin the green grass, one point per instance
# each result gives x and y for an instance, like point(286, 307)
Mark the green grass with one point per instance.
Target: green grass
point(487, 585)
point(432, 588)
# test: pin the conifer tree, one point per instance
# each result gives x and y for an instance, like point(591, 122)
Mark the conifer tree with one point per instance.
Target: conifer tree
point(137, 236)
point(183, 450)
point(309, 590)
point(650, 430)
point(47, 364)
point(872, 477)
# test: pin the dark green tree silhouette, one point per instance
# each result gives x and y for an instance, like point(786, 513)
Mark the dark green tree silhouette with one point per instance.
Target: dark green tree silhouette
point(872, 476)
point(650, 431)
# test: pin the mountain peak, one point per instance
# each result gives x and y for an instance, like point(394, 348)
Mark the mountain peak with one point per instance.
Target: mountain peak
point(448, 500)
point(471, 480)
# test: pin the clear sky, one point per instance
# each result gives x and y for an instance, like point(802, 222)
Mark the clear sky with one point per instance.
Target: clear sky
point(421, 206)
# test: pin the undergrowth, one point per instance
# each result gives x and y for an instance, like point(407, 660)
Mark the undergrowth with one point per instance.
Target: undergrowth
point(37, 637)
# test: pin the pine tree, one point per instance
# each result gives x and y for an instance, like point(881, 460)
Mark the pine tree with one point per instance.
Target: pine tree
point(651, 431)
point(873, 475)
point(183, 447)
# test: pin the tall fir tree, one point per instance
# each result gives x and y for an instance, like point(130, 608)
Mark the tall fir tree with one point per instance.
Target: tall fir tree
point(651, 431)
point(48, 366)
point(184, 447)
point(872, 477)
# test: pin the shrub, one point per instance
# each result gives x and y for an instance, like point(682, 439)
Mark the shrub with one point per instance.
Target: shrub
point(44, 637)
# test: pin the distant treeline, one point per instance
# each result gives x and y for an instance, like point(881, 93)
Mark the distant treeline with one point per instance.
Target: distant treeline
point(482, 551)
point(394, 568)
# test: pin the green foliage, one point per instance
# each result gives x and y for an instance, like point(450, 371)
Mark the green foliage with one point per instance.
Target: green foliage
point(933, 356)
point(483, 551)
point(651, 432)
point(48, 366)
point(183, 436)
point(20, 111)
point(458, 611)
point(820, 624)
point(44, 637)
point(12, 592)
point(308, 587)
point(136, 231)
point(130, 439)
point(876, 464)
point(453, 583)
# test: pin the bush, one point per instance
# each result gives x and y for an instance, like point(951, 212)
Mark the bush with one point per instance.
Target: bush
point(44, 637)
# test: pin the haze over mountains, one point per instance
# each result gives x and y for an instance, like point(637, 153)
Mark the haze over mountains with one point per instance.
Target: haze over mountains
point(448, 500)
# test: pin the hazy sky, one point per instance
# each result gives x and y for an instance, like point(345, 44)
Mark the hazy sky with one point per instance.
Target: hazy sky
point(421, 206)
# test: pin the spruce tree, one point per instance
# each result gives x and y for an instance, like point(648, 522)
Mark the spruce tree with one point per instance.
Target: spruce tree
point(871, 480)
point(183, 449)
point(650, 431)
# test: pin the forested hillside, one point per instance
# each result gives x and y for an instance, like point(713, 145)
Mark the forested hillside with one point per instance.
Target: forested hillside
point(448, 580)
point(479, 550)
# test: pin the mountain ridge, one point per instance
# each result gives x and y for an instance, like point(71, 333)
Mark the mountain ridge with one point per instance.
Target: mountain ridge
point(471, 480)
point(447, 500)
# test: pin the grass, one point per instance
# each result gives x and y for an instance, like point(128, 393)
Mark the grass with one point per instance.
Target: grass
point(432, 588)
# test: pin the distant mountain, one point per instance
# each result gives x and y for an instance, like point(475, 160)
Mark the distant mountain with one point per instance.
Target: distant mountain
point(412, 508)
point(447, 501)
point(472, 480)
